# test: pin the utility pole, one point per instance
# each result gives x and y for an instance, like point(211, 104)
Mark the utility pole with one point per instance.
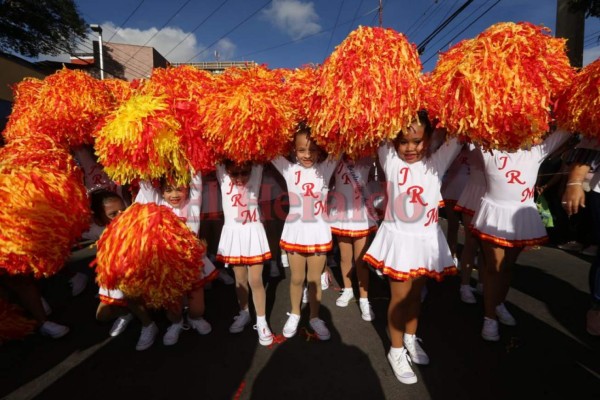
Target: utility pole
point(570, 25)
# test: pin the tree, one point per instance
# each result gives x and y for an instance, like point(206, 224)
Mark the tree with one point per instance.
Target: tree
point(34, 27)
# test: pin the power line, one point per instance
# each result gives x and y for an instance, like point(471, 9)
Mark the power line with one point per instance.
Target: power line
point(407, 32)
point(126, 19)
point(459, 33)
point(231, 30)
point(333, 30)
point(437, 9)
point(159, 30)
point(355, 15)
point(423, 44)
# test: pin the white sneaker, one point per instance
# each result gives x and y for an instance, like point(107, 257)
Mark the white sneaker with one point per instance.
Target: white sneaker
point(120, 324)
point(172, 335)
point(240, 322)
point(53, 330)
point(225, 277)
point(417, 354)
point(504, 317)
point(455, 261)
point(489, 331)
point(324, 281)
point(305, 295)
point(291, 325)
point(346, 296)
point(401, 366)
point(265, 336)
point(201, 325)
point(78, 283)
point(147, 337)
point(318, 325)
point(274, 269)
point(366, 312)
point(466, 294)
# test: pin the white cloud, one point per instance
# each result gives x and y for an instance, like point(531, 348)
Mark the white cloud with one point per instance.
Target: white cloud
point(173, 43)
point(590, 55)
point(294, 17)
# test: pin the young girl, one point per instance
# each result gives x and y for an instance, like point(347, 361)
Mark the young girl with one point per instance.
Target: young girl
point(507, 221)
point(409, 245)
point(306, 236)
point(352, 225)
point(106, 205)
point(244, 244)
point(185, 202)
point(466, 205)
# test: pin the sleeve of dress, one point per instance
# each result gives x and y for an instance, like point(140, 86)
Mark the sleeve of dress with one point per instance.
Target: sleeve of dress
point(445, 155)
point(148, 194)
point(281, 164)
point(195, 193)
point(554, 141)
point(220, 173)
point(384, 153)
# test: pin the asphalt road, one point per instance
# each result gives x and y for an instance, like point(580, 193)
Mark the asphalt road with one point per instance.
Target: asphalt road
point(547, 355)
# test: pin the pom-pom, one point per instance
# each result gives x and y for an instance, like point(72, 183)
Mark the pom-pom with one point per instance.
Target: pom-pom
point(499, 87)
point(368, 89)
point(67, 107)
point(119, 89)
point(578, 107)
point(139, 140)
point(149, 253)
point(248, 117)
point(13, 324)
point(299, 83)
point(43, 213)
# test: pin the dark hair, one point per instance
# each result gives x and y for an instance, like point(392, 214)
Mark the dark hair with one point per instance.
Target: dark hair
point(304, 129)
point(168, 180)
point(423, 120)
point(98, 198)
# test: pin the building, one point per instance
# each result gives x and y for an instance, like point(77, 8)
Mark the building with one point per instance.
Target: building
point(217, 67)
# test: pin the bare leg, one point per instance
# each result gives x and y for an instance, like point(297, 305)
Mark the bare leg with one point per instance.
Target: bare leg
point(196, 303)
point(298, 274)
point(362, 271)
point(316, 265)
point(346, 256)
point(241, 285)
point(259, 296)
point(452, 231)
point(404, 309)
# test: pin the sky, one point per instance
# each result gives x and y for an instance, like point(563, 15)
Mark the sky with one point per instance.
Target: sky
point(293, 33)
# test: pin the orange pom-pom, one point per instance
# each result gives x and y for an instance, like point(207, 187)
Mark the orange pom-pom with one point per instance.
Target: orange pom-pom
point(148, 252)
point(368, 89)
point(248, 117)
point(299, 83)
point(13, 324)
point(44, 211)
point(578, 107)
point(498, 88)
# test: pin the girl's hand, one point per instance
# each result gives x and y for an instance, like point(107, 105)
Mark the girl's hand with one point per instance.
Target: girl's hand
point(573, 198)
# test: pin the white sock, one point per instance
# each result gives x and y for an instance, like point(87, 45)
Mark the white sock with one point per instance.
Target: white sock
point(396, 351)
point(245, 310)
point(364, 300)
point(261, 320)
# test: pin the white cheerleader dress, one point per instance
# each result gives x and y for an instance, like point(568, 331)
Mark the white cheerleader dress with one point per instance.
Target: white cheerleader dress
point(409, 242)
point(470, 198)
point(189, 213)
point(456, 178)
point(508, 216)
point(243, 238)
point(348, 214)
point(306, 229)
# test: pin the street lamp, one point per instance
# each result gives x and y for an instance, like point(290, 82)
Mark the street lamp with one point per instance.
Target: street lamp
point(98, 28)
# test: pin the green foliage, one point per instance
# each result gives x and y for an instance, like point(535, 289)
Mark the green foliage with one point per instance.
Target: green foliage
point(34, 27)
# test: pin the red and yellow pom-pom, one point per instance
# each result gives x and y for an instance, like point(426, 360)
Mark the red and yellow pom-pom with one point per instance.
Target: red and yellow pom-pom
point(368, 89)
point(499, 87)
point(25, 94)
point(44, 211)
point(248, 117)
point(184, 87)
point(67, 107)
point(149, 253)
point(13, 324)
point(140, 140)
point(299, 83)
point(119, 89)
point(578, 107)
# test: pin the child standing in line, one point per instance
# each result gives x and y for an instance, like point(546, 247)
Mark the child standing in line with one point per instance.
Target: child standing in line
point(507, 221)
point(243, 244)
point(466, 205)
point(352, 225)
point(409, 245)
point(306, 235)
point(185, 202)
point(106, 205)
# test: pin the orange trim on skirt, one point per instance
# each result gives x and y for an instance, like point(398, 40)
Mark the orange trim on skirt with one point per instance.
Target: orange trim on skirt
point(507, 242)
point(201, 282)
point(464, 210)
point(414, 273)
point(112, 302)
point(245, 260)
point(353, 234)
point(301, 248)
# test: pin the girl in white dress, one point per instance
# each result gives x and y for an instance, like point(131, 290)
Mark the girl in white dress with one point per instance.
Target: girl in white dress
point(352, 225)
point(507, 221)
point(306, 235)
point(243, 244)
point(185, 202)
point(409, 245)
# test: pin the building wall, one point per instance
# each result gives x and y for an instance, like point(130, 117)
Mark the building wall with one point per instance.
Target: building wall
point(129, 62)
point(14, 70)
